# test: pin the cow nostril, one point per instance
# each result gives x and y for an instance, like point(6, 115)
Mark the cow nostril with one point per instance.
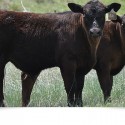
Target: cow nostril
point(91, 31)
point(99, 32)
point(95, 32)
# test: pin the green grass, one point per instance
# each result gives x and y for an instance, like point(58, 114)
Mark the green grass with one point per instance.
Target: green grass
point(44, 6)
point(49, 88)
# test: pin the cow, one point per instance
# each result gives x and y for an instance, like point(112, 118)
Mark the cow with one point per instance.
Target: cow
point(110, 54)
point(69, 40)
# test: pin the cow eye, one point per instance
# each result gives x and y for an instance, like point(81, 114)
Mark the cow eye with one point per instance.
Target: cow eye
point(84, 12)
point(90, 16)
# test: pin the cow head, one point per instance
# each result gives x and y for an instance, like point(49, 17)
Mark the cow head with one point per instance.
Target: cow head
point(94, 15)
point(121, 20)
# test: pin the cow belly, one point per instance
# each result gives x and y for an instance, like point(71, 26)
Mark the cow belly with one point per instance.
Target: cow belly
point(86, 64)
point(87, 69)
point(31, 63)
point(117, 64)
point(116, 70)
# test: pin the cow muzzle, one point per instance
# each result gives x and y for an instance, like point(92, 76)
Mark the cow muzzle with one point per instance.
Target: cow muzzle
point(95, 32)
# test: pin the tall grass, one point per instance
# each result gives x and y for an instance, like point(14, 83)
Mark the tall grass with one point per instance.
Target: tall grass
point(49, 88)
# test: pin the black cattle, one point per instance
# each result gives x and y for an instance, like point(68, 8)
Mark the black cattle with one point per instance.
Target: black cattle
point(111, 54)
point(69, 40)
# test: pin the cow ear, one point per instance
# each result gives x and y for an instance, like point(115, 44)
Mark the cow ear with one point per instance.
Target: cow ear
point(75, 7)
point(114, 6)
point(119, 19)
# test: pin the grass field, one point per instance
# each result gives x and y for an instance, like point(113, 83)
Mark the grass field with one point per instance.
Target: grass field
point(49, 88)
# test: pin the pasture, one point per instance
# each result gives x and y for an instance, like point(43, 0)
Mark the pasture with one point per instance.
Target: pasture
point(49, 88)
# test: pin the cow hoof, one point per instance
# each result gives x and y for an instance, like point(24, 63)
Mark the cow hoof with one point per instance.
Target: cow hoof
point(71, 104)
point(25, 104)
point(2, 104)
point(79, 103)
point(107, 100)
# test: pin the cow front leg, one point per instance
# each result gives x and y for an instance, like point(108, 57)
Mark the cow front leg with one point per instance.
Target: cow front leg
point(68, 74)
point(27, 86)
point(79, 87)
point(106, 82)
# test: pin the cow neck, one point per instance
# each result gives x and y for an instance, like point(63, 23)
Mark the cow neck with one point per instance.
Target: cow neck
point(93, 42)
point(92, 45)
point(121, 34)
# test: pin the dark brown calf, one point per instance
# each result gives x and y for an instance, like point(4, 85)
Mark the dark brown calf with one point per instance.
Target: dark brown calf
point(111, 54)
point(33, 42)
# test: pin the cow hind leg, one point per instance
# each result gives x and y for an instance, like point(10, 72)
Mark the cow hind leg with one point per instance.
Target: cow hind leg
point(78, 90)
point(106, 82)
point(1, 89)
point(107, 96)
point(2, 66)
point(27, 86)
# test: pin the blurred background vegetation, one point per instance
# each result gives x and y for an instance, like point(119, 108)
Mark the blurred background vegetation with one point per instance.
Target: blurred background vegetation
point(42, 6)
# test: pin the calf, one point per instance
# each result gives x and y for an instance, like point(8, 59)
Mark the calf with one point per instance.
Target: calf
point(111, 54)
point(69, 40)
